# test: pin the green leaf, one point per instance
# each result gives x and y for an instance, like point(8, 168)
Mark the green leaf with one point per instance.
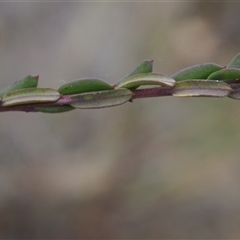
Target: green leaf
point(101, 99)
point(55, 109)
point(144, 67)
point(30, 95)
point(226, 74)
point(235, 62)
point(27, 82)
point(201, 88)
point(146, 79)
point(200, 71)
point(84, 85)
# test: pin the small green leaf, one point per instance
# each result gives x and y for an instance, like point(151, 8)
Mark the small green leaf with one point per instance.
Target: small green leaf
point(84, 85)
point(146, 79)
point(102, 99)
point(235, 62)
point(30, 95)
point(55, 109)
point(226, 74)
point(144, 67)
point(201, 88)
point(200, 71)
point(27, 82)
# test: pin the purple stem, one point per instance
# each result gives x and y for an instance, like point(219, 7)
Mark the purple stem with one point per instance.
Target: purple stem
point(152, 92)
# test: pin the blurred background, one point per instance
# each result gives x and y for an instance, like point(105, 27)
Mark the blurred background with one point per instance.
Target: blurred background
point(155, 168)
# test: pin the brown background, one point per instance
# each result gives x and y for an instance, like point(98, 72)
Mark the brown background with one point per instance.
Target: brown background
point(155, 168)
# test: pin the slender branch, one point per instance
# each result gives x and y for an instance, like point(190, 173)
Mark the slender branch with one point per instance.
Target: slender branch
point(65, 99)
point(152, 92)
point(201, 80)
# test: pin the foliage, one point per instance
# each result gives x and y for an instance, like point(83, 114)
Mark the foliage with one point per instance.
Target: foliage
point(202, 80)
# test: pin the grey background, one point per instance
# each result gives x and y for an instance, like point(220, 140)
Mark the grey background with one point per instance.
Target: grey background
point(155, 168)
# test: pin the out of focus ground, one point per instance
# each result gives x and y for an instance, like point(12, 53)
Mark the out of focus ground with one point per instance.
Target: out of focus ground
point(155, 168)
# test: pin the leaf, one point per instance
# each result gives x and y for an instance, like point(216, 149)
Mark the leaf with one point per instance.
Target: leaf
point(235, 62)
point(144, 67)
point(27, 82)
point(201, 88)
point(146, 79)
point(101, 99)
point(226, 74)
point(55, 109)
point(84, 85)
point(30, 95)
point(200, 71)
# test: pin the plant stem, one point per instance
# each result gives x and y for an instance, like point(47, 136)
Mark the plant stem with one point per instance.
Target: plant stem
point(152, 92)
point(65, 100)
